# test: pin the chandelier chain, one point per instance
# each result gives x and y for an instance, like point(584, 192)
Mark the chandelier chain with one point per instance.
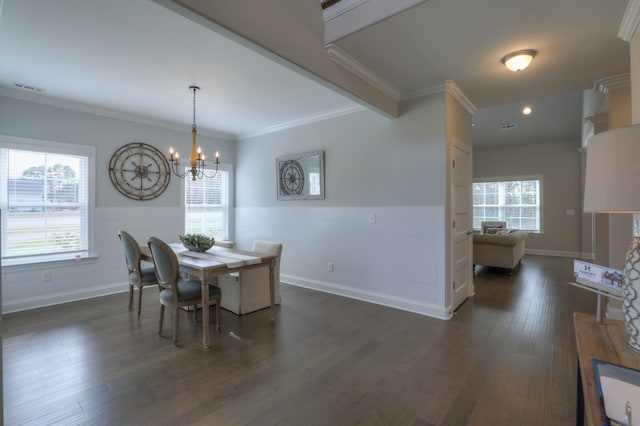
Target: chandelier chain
point(194, 106)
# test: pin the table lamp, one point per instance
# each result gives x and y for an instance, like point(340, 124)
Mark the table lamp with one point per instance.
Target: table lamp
point(612, 185)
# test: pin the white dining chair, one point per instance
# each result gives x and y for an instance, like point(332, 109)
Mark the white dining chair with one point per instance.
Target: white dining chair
point(248, 291)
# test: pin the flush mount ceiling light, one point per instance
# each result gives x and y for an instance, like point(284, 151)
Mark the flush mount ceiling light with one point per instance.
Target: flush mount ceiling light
point(519, 60)
point(527, 110)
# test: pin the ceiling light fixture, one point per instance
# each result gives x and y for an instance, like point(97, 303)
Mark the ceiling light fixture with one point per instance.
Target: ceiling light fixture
point(519, 60)
point(196, 159)
point(527, 110)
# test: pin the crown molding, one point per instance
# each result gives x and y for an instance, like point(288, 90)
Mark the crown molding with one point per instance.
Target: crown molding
point(80, 107)
point(424, 92)
point(452, 88)
point(630, 21)
point(606, 84)
point(342, 6)
point(76, 106)
point(448, 86)
point(307, 120)
point(349, 63)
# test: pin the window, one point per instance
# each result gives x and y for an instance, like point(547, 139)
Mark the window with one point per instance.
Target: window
point(45, 200)
point(515, 201)
point(206, 204)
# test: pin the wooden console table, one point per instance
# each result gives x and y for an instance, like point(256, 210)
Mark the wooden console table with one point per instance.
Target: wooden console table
point(606, 341)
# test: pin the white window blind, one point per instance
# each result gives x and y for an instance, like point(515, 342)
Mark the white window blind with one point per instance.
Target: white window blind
point(206, 205)
point(44, 197)
point(516, 202)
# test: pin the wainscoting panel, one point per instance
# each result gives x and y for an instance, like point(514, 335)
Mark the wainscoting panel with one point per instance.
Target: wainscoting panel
point(398, 260)
point(23, 287)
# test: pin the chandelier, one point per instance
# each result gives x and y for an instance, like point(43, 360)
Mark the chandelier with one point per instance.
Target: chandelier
point(196, 159)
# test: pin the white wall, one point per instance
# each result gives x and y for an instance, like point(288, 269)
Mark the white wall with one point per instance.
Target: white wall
point(22, 286)
point(393, 168)
point(559, 164)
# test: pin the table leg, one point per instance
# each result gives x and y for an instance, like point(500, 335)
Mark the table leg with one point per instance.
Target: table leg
point(272, 289)
point(599, 308)
point(205, 314)
point(579, 399)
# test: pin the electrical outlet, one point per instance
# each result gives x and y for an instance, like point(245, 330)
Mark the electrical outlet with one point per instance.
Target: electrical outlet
point(330, 266)
point(46, 276)
point(372, 218)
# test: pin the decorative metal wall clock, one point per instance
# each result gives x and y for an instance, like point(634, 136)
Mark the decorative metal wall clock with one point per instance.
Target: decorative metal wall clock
point(139, 171)
point(291, 178)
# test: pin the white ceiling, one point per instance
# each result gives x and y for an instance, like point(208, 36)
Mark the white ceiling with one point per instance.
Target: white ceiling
point(135, 57)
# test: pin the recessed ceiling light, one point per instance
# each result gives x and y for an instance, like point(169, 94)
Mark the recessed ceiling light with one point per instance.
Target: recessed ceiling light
point(526, 110)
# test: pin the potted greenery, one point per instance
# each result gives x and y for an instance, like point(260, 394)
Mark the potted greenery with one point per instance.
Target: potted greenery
point(197, 242)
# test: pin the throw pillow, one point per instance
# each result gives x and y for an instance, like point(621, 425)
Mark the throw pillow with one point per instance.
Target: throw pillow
point(491, 229)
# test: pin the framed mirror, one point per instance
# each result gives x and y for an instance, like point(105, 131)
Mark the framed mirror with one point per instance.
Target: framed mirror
point(301, 176)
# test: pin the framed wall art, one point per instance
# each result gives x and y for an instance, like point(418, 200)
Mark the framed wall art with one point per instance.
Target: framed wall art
point(301, 176)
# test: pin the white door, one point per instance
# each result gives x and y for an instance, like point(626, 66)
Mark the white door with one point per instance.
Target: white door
point(462, 235)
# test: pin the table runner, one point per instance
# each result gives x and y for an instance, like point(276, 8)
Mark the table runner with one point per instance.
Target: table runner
point(232, 260)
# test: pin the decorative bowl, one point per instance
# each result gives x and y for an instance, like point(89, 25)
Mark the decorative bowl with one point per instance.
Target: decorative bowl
point(198, 249)
point(196, 242)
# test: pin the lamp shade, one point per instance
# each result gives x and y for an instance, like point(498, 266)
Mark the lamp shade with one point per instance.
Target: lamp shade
point(612, 177)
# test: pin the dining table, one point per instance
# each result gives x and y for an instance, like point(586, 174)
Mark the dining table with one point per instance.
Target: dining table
point(206, 266)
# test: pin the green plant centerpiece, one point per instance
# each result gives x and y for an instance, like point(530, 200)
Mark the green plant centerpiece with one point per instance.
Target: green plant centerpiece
point(196, 242)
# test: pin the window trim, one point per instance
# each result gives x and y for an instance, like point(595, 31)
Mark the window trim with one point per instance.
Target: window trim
point(230, 208)
point(515, 178)
point(42, 145)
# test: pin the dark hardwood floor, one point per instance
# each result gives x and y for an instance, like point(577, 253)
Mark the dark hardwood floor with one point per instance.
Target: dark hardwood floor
point(506, 358)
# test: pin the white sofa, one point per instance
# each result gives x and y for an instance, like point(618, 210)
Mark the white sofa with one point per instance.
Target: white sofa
point(501, 249)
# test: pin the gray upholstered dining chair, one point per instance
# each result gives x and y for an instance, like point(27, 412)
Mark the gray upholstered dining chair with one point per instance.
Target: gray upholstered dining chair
point(174, 292)
point(138, 277)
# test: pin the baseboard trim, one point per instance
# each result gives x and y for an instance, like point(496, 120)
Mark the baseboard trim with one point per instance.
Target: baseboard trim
point(414, 306)
point(559, 253)
point(62, 297)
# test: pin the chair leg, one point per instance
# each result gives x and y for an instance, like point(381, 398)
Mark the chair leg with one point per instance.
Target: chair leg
point(161, 319)
point(130, 296)
point(176, 322)
point(218, 314)
point(139, 299)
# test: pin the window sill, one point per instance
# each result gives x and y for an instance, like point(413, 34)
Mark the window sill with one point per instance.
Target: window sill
point(45, 262)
